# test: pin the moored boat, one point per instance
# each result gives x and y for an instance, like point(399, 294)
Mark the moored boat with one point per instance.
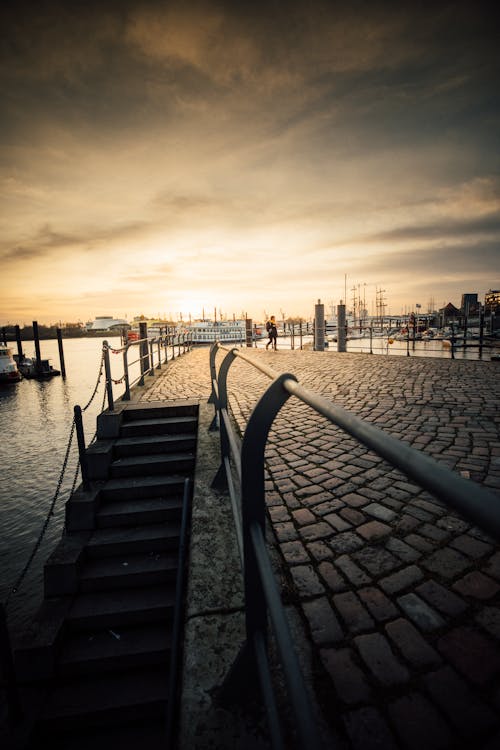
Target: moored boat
point(9, 372)
point(29, 369)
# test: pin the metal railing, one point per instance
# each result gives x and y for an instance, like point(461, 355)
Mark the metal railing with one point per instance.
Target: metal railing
point(151, 354)
point(247, 494)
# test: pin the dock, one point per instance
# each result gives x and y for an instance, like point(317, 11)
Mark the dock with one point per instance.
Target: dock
point(393, 598)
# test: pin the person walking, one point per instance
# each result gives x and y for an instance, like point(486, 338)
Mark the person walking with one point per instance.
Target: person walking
point(272, 332)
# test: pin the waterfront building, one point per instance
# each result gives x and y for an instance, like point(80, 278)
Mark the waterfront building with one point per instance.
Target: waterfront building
point(448, 314)
point(470, 305)
point(492, 309)
point(107, 323)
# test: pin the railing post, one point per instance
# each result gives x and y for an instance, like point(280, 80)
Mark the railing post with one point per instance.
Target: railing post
point(80, 436)
point(158, 366)
point(126, 395)
point(253, 504)
point(107, 370)
point(151, 369)
point(242, 674)
point(220, 480)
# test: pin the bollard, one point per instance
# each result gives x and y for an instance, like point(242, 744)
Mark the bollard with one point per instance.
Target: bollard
point(19, 344)
point(481, 334)
point(319, 327)
point(37, 348)
point(248, 332)
point(341, 328)
point(143, 348)
point(61, 353)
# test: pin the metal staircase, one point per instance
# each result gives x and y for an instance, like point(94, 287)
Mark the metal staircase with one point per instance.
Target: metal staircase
point(100, 653)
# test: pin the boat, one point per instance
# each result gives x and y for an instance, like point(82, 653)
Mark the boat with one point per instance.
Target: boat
point(9, 372)
point(225, 331)
point(29, 369)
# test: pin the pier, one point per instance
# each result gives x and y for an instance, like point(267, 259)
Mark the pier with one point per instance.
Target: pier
point(393, 597)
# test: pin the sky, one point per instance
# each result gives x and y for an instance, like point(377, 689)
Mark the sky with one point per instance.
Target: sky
point(168, 158)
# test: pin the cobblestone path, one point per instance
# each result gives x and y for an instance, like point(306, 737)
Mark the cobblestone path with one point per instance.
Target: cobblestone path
point(400, 595)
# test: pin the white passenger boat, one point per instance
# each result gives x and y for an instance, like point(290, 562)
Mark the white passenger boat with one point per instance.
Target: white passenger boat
point(8, 367)
point(225, 331)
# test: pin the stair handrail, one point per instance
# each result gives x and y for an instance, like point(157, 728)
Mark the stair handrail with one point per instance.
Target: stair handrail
point(471, 500)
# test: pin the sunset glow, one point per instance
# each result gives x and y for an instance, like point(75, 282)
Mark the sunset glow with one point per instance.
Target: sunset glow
point(170, 157)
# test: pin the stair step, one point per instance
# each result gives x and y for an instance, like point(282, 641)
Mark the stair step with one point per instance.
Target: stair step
point(139, 511)
point(106, 699)
point(160, 410)
point(106, 650)
point(158, 426)
point(127, 571)
point(109, 542)
point(128, 735)
point(133, 487)
point(99, 610)
point(162, 463)
point(136, 446)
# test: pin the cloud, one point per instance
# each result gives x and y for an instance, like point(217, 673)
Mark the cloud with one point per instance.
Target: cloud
point(450, 228)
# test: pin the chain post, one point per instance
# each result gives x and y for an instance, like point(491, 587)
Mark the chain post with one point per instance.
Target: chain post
point(126, 395)
point(80, 436)
point(107, 369)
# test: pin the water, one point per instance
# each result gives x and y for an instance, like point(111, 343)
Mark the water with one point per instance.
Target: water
point(380, 345)
point(35, 425)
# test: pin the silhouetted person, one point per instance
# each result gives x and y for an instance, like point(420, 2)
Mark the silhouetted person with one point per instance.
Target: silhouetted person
point(272, 332)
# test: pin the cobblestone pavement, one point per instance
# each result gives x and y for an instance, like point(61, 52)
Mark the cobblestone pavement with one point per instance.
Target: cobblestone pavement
point(401, 596)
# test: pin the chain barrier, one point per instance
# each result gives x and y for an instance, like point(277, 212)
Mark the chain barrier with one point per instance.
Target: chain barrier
point(50, 513)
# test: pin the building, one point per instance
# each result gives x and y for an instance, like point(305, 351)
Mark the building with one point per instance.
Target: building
point(492, 301)
point(107, 323)
point(470, 306)
point(492, 309)
point(449, 314)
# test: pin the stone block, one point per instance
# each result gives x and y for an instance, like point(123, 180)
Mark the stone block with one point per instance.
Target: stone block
point(381, 660)
point(422, 615)
point(380, 607)
point(99, 456)
point(410, 643)
point(109, 423)
point(351, 683)
point(418, 723)
point(368, 730)
point(323, 623)
point(81, 509)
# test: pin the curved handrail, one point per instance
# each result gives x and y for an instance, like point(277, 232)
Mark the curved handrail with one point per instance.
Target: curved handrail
point(473, 501)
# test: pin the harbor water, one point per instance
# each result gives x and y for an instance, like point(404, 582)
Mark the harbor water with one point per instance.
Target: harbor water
point(35, 424)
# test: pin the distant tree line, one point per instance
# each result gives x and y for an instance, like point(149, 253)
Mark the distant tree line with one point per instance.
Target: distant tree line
point(47, 332)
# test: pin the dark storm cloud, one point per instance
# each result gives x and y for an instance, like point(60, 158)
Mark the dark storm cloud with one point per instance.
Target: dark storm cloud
point(47, 242)
point(467, 259)
point(451, 229)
